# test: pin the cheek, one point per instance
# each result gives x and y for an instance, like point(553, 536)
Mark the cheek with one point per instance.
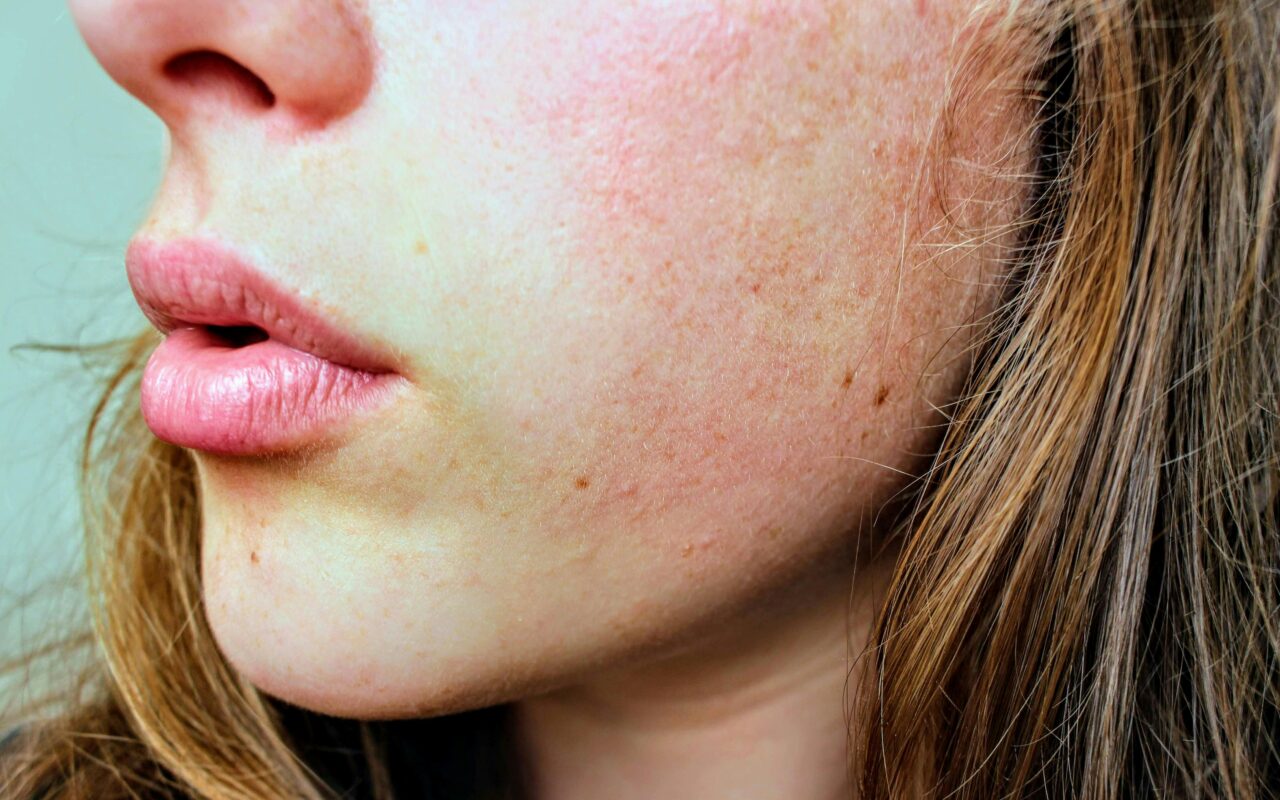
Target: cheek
point(666, 261)
point(757, 155)
point(736, 176)
point(656, 111)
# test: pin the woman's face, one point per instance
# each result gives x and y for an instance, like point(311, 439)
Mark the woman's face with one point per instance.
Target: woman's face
point(641, 262)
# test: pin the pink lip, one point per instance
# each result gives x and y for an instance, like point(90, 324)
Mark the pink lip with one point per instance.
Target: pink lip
point(298, 379)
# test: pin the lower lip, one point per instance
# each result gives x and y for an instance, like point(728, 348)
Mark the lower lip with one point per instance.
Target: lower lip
point(266, 397)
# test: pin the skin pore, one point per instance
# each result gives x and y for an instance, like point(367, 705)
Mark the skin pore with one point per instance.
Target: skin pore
point(644, 266)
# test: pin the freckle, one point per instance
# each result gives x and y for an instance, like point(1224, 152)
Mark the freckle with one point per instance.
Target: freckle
point(582, 482)
point(755, 288)
point(863, 437)
point(686, 551)
point(420, 247)
point(848, 379)
point(253, 556)
point(882, 395)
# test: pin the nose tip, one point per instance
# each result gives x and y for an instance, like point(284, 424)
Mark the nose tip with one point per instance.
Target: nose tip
point(309, 59)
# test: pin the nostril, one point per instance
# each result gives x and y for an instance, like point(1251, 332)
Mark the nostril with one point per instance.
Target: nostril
point(208, 72)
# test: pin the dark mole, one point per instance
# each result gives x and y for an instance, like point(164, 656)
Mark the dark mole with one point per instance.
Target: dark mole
point(582, 482)
point(253, 556)
point(848, 379)
point(882, 395)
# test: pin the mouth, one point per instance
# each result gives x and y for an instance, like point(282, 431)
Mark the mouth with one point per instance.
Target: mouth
point(196, 283)
point(238, 335)
point(247, 367)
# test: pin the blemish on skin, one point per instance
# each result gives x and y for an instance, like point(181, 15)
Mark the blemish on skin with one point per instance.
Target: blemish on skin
point(703, 543)
point(848, 379)
point(420, 247)
point(253, 556)
point(882, 395)
point(582, 482)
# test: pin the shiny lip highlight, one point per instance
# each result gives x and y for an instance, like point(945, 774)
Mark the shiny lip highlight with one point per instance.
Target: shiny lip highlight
point(190, 282)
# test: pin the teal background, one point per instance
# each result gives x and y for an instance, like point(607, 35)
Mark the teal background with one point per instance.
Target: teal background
point(79, 161)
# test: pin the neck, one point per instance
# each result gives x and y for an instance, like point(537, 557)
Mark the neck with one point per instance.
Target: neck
point(756, 711)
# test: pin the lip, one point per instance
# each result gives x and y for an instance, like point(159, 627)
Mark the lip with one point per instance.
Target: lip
point(300, 379)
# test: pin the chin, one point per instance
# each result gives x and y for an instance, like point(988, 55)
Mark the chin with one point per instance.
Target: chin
point(345, 679)
point(338, 645)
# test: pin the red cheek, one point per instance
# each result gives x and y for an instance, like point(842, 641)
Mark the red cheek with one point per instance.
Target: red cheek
point(654, 107)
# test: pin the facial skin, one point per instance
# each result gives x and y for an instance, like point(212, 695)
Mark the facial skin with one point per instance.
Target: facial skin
point(642, 261)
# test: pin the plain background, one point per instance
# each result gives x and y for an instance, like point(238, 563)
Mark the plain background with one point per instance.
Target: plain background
point(79, 161)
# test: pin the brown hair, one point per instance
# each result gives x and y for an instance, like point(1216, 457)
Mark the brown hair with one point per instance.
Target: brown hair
point(1086, 600)
point(1086, 603)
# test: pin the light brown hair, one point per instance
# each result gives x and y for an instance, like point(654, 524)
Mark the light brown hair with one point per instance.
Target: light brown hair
point(1086, 601)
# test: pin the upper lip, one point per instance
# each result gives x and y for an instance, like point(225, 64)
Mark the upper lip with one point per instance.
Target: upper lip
point(194, 282)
